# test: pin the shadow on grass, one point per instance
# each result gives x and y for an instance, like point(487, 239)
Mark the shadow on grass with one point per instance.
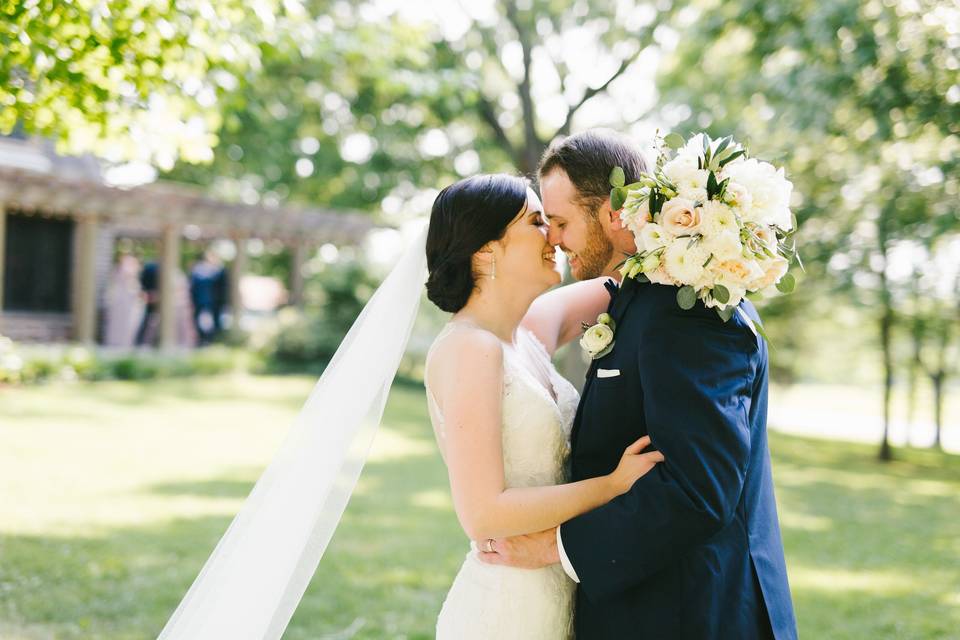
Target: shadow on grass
point(872, 547)
point(385, 573)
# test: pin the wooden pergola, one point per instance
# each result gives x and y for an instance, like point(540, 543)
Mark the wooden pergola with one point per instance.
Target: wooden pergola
point(165, 211)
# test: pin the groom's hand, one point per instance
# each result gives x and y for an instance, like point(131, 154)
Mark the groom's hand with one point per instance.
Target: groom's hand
point(533, 551)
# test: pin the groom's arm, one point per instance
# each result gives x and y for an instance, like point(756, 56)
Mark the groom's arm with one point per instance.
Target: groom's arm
point(697, 375)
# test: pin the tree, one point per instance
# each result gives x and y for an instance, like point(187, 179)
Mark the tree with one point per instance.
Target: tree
point(936, 323)
point(129, 79)
point(860, 101)
point(363, 109)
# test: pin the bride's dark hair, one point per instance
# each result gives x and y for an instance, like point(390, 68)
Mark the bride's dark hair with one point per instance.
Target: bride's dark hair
point(467, 215)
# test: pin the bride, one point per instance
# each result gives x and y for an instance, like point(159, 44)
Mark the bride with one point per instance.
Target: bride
point(501, 413)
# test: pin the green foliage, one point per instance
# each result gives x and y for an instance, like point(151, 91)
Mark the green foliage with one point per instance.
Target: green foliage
point(306, 340)
point(377, 111)
point(855, 100)
point(126, 78)
point(32, 364)
point(686, 297)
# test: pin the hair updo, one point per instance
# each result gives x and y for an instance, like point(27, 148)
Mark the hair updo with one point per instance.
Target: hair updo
point(466, 216)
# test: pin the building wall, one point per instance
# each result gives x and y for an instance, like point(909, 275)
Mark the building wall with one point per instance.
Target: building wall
point(29, 326)
point(25, 326)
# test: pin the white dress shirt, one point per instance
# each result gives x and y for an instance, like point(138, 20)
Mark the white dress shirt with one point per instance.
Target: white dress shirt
point(565, 561)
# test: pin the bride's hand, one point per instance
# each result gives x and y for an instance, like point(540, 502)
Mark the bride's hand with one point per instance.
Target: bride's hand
point(634, 465)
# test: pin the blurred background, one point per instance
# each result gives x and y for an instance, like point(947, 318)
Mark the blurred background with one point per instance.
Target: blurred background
point(197, 198)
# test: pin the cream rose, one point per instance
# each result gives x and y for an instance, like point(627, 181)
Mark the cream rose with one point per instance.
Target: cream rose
point(773, 270)
point(679, 217)
point(736, 272)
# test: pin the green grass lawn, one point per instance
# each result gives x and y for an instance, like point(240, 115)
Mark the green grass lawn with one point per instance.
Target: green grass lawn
point(113, 494)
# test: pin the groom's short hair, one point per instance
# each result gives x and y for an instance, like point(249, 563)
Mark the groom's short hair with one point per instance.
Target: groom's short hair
point(588, 158)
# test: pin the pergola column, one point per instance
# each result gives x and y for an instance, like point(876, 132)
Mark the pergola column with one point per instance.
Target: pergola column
point(237, 268)
point(85, 319)
point(3, 248)
point(296, 272)
point(169, 267)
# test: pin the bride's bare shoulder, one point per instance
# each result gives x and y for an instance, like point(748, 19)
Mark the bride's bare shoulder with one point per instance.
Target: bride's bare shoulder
point(465, 351)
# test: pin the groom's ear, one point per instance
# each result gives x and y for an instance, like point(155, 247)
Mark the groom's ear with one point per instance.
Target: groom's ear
point(616, 224)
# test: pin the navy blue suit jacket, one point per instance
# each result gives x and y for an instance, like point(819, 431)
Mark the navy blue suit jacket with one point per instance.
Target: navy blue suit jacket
point(693, 550)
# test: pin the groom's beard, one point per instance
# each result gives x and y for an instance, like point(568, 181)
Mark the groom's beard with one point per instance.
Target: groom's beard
point(595, 257)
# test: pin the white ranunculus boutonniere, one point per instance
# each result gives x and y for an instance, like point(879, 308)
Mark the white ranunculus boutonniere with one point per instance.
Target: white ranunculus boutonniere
point(597, 340)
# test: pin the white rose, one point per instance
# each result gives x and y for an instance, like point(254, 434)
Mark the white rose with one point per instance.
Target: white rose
point(653, 237)
point(684, 263)
point(679, 217)
point(717, 218)
point(596, 339)
point(769, 191)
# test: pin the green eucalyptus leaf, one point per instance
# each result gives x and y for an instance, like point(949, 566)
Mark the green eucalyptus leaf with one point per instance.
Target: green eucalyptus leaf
point(725, 313)
point(617, 177)
point(787, 283)
point(686, 297)
point(721, 293)
point(674, 141)
point(618, 195)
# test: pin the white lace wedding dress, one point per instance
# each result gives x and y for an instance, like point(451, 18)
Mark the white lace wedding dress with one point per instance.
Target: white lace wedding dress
point(489, 601)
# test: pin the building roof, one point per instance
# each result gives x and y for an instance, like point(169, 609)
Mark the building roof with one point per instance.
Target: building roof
point(35, 180)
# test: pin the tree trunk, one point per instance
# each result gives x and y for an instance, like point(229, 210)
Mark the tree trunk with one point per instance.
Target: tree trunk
point(914, 373)
point(937, 381)
point(886, 329)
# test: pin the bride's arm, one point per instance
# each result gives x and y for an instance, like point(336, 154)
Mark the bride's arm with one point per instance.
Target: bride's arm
point(556, 316)
point(467, 378)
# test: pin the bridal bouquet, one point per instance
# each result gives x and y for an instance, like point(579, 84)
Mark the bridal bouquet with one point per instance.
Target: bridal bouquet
point(709, 220)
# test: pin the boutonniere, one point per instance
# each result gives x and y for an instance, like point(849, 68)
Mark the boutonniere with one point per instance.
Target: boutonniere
point(597, 340)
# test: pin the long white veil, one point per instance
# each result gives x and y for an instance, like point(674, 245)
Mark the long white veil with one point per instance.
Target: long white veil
point(254, 579)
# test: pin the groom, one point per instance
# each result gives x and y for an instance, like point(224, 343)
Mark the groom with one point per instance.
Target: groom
point(693, 550)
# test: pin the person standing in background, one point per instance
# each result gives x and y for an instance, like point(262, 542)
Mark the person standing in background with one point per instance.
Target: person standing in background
point(150, 288)
point(123, 304)
point(207, 282)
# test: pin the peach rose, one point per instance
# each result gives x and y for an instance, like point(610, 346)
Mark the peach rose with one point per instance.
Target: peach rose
point(679, 217)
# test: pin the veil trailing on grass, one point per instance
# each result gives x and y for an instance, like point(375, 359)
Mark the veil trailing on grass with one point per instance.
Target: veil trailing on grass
point(254, 579)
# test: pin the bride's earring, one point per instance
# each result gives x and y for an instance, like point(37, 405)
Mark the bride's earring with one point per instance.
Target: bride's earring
point(493, 272)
